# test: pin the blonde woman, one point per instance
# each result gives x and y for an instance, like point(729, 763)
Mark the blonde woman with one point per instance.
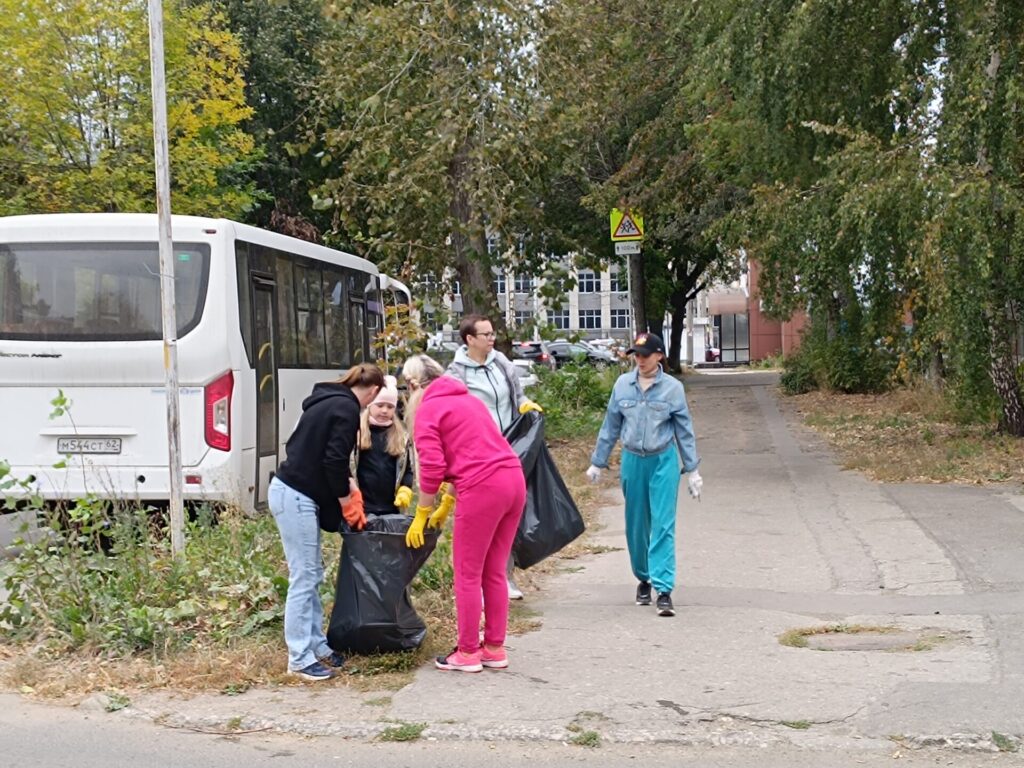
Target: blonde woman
point(384, 469)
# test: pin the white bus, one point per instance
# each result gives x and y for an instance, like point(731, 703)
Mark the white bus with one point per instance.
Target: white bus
point(261, 317)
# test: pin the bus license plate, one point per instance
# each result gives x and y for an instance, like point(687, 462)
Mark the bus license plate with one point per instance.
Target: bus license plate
point(89, 445)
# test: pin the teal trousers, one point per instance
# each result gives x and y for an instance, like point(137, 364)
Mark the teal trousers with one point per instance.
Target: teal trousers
point(651, 487)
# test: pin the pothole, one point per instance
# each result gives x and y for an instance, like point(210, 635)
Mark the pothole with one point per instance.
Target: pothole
point(859, 637)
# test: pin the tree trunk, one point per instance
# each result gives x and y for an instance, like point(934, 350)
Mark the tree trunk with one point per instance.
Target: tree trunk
point(678, 304)
point(637, 292)
point(1004, 375)
point(1004, 379)
point(469, 246)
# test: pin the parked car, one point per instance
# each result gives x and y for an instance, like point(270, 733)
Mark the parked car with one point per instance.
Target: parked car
point(712, 355)
point(536, 351)
point(524, 368)
point(569, 351)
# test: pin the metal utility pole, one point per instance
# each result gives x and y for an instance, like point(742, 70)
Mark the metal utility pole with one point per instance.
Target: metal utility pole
point(170, 326)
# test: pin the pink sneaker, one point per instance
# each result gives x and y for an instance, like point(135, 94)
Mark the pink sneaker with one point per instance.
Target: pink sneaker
point(457, 661)
point(496, 659)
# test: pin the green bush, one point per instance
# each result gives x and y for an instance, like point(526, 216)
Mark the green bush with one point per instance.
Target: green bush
point(798, 374)
point(844, 363)
point(574, 398)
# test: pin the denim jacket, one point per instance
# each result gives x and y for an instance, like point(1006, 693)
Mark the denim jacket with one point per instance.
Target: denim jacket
point(647, 421)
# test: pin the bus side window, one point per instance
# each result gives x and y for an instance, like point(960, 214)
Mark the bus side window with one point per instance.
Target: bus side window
point(286, 338)
point(335, 312)
point(309, 314)
point(355, 322)
point(244, 304)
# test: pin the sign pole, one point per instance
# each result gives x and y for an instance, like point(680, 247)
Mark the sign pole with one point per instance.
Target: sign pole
point(161, 157)
point(627, 232)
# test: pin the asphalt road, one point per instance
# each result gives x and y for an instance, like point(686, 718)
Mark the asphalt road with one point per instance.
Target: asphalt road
point(36, 736)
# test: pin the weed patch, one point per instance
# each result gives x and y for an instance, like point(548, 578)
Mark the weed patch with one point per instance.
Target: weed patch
point(402, 732)
point(589, 739)
point(1004, 743)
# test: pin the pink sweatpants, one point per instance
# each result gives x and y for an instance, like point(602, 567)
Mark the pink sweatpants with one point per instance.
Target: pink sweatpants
point(486, 518)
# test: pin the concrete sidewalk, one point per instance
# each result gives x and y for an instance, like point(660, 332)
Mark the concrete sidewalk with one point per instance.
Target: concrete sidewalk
point(782, 540)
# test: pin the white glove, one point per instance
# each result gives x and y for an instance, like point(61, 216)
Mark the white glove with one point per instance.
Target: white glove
point(594, 473)
point(695, 483)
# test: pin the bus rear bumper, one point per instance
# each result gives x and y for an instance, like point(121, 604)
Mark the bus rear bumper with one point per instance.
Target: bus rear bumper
point(127, 485)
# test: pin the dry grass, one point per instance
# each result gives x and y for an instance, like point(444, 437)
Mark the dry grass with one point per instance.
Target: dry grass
point(259, 660)
point(910, 435)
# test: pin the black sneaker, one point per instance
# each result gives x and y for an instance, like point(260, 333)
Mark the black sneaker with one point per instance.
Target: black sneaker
point(643, 593)
point(665, 604)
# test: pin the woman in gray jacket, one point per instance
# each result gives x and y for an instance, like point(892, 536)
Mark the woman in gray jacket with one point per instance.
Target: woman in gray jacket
point(492, 378)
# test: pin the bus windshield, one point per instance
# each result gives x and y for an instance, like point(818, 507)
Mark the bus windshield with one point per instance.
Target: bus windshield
point(96, 291)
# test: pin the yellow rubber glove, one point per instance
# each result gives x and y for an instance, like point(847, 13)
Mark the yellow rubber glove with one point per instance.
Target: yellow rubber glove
point(414, 536)
point(528, 406)
point(441, 513)
point(403, 496)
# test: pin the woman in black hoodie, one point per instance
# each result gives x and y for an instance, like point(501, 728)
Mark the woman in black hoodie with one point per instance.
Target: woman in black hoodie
point(307, 494)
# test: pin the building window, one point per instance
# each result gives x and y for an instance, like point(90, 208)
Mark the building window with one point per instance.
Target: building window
point(560, 318)
point(499, 283)
point(524, 284)
point(616, 284)
point(590, 319)
point(456, 287)
point(620, 318)
point(587, 282)
point(522, 317)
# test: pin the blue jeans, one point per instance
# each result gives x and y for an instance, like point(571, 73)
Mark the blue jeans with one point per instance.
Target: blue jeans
point(295, 515)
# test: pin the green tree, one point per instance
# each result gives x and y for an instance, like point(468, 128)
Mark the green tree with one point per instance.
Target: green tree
point(75, 103)
point(977, 259)
point(440, 104)
point(817, 110)
point(280, 40)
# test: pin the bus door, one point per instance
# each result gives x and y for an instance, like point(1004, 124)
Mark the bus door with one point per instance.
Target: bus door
point(265, 349)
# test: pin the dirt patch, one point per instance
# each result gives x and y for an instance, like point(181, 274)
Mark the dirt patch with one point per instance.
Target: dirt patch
point(860, 637)
point(909, 436)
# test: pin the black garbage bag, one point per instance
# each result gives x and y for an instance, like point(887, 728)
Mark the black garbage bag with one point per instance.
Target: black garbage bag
point(372, 611)
point(551, 518)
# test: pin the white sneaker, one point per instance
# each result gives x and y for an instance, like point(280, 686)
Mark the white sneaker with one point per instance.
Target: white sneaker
point(514, 592)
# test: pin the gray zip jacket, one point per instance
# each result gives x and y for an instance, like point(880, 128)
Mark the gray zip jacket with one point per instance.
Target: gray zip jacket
point(494, 381)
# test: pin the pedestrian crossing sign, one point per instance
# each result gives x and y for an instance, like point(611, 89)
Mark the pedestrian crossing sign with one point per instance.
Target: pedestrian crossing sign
point(626, 225)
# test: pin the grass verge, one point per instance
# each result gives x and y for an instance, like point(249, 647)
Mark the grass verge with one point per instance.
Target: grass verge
point(910, 435)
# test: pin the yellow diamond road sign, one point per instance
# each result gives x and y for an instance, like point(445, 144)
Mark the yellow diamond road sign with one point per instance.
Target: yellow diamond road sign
point(626, 225)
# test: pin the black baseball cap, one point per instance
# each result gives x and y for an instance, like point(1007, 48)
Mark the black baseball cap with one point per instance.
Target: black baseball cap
point(647, 344)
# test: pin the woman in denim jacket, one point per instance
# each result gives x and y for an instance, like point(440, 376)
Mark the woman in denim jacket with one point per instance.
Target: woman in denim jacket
point(648, 412)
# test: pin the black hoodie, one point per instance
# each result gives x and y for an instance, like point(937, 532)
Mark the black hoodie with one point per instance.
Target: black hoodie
point(318, 451)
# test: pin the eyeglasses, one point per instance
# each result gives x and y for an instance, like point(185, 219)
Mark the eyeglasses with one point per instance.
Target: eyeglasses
point(488, 335)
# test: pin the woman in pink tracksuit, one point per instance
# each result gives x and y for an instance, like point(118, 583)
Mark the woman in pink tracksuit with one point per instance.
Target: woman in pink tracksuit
point(457, 441)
